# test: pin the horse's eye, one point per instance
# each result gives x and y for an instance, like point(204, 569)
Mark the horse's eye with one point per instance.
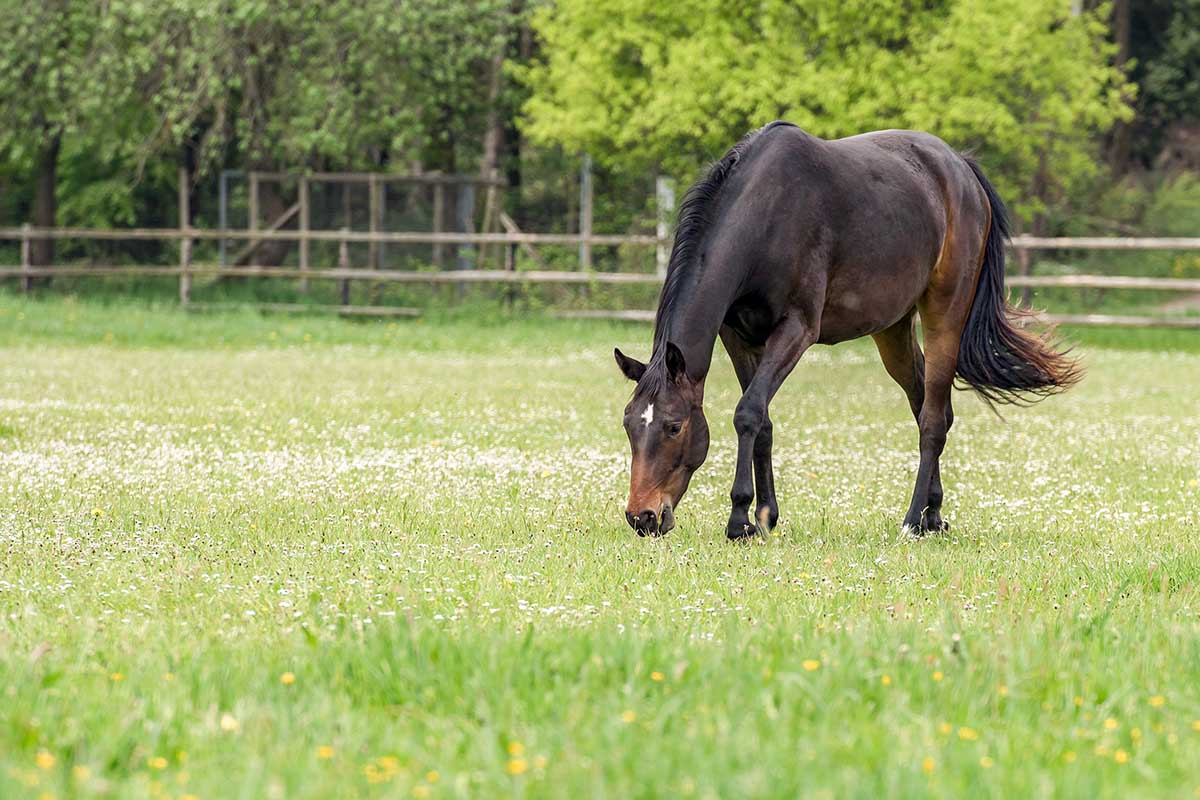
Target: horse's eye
point(673, 428)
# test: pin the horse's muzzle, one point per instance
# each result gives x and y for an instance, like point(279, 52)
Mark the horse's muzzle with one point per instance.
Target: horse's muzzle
point(648, 523)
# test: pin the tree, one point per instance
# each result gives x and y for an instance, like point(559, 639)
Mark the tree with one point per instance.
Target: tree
point(342, 84)
point(1165, 48)
point(645, 84)
point(54, 93)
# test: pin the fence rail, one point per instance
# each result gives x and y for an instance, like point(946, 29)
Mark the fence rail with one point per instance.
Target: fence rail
point(353, 237)
point(451, 237)
point(187, 270)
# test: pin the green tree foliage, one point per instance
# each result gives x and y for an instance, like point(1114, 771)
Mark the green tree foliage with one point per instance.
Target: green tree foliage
point(643, 83)
point(1165, 46)
point(67, 92)
point(342, 82)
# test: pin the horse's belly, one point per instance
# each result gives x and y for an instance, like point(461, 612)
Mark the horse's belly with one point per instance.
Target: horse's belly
point(863, 307)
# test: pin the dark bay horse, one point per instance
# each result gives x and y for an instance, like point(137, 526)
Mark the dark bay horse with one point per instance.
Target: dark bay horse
point(792, 240)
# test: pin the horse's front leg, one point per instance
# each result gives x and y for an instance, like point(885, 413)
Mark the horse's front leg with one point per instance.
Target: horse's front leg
point(766, 514)
point(745, 359)
point(783, 350)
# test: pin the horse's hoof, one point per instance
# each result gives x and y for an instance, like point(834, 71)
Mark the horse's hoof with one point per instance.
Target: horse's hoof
point(935, 525)
point(767, 517)
point(910, 531)
point(741, 530)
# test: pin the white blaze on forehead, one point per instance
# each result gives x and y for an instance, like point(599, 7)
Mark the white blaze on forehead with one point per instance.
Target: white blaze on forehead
point(648, 414)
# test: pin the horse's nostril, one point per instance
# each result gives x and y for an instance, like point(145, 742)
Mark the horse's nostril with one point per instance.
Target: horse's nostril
point(668, 520)
point(631, 519)
point(648, 522)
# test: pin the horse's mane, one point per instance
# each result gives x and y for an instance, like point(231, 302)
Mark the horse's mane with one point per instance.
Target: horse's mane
point(694, 219)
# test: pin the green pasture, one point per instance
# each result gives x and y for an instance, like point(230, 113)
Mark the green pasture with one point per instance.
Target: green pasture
point(249, 556)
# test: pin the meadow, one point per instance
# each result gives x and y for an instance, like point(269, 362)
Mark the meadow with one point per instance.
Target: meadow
point(254, 556)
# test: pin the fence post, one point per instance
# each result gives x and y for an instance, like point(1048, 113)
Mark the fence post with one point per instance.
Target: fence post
point(664, 193)
point(373, 227)
point(439, 223)
point(252, 201)
point(344, 264)
point(304, 223)
point(382, 223)
point(465, 223)
point(185, 243)
point(26, 257)
point(585, 213)
point(1024, 267)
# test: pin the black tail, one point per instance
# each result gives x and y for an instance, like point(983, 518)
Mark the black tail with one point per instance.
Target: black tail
point(998, 359)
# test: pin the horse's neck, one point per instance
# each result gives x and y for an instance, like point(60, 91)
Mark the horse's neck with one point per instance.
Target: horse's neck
point(693, 321)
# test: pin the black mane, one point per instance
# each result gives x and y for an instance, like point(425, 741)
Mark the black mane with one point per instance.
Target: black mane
point(693, 221)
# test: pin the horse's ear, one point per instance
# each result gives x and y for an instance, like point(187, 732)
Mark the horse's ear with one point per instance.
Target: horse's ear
point(630, 367)
point(675, 363)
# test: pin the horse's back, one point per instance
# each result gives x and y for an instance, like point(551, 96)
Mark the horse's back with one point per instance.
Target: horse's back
point(861, 221)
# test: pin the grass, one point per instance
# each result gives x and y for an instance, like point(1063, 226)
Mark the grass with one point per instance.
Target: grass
point(246, 556)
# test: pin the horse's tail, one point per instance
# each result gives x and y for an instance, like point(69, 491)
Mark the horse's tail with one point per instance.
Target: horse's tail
point(998, 359)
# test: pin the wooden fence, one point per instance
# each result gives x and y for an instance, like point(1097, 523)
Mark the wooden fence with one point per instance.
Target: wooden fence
point(187, 270)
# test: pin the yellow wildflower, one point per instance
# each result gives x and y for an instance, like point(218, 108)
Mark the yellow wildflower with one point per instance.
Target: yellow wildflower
point(44, 759)
point(517, 766)
point(157, 762)
point(968, 734)
point(656, 676)
point(937, 676)
point(516, 749)
point(1158, 701)
point(287, 678)
point(810, 665)
point(928, 764)
point(324, 752)
point(1120, 756)
point(986, 762)
point(1110, 724)
point(628, 717)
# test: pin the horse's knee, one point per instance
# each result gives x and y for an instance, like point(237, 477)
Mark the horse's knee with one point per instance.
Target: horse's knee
point(748, 418)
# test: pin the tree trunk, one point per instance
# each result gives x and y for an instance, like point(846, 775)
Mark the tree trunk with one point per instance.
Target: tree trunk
point(45, 200)
point(521, 49)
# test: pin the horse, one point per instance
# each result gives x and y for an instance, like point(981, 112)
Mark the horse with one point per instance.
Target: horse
point(791, 240)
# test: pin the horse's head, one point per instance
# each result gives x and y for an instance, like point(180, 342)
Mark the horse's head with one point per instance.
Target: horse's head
point(668, 434)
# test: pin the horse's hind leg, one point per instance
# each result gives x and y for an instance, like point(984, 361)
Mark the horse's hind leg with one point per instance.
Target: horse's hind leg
point(745, 360)
point(905, 363)
point(944, 308)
